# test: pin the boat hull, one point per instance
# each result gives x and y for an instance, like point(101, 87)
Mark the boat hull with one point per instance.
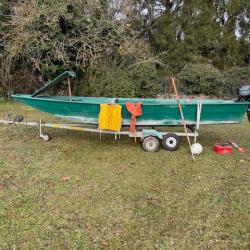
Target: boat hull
point(156, 112)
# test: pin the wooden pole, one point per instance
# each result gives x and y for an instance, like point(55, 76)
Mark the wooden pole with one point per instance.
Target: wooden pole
point(69, 86)
point(182, 116)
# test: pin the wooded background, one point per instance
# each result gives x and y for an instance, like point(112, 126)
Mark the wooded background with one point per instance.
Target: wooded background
point(125, 47)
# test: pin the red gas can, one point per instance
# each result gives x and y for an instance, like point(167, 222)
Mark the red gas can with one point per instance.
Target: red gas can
point(223, 148)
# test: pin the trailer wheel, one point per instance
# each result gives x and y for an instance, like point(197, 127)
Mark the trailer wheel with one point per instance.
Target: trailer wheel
point(171, 141)
point(150, 144)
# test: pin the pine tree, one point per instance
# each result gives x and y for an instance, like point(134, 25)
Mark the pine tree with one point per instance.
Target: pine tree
point(202, 31)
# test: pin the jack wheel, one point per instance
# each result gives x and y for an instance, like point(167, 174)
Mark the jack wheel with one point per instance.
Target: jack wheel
point(45, 137)
point(18, 118)
point(171, 141)
point(150, 144)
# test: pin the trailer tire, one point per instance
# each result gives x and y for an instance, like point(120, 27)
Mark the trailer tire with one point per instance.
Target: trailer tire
point(171, 141)
point(150, 144)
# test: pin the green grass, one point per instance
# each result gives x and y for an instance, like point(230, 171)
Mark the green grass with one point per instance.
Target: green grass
point(118, 196)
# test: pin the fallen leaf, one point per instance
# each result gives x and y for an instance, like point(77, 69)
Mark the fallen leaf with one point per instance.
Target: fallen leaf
point(66, 178)
point(242, 160)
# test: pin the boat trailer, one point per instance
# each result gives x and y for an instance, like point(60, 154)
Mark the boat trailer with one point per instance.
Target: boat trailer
point(150, 137)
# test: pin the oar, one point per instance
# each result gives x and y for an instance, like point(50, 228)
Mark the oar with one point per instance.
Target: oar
point(182, 116)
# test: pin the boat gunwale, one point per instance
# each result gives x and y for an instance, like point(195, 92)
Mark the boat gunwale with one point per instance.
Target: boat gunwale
point(226, 102)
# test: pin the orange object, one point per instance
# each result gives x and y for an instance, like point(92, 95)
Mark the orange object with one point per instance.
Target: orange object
point(135, 110)
point(237, 147)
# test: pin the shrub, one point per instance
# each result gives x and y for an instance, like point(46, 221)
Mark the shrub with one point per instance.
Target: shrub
point(145, 80)
point(234, 77)
point(202, 79)
point(114, 81)
point(110, 82)
point(208, 80)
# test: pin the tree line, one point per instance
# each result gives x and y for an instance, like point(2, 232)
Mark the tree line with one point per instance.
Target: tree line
point(125, 47)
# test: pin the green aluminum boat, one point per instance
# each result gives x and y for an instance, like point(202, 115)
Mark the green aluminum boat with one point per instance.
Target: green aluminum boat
point(156, 112)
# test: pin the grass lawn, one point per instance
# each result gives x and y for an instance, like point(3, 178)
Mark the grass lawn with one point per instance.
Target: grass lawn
point(116, 196)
